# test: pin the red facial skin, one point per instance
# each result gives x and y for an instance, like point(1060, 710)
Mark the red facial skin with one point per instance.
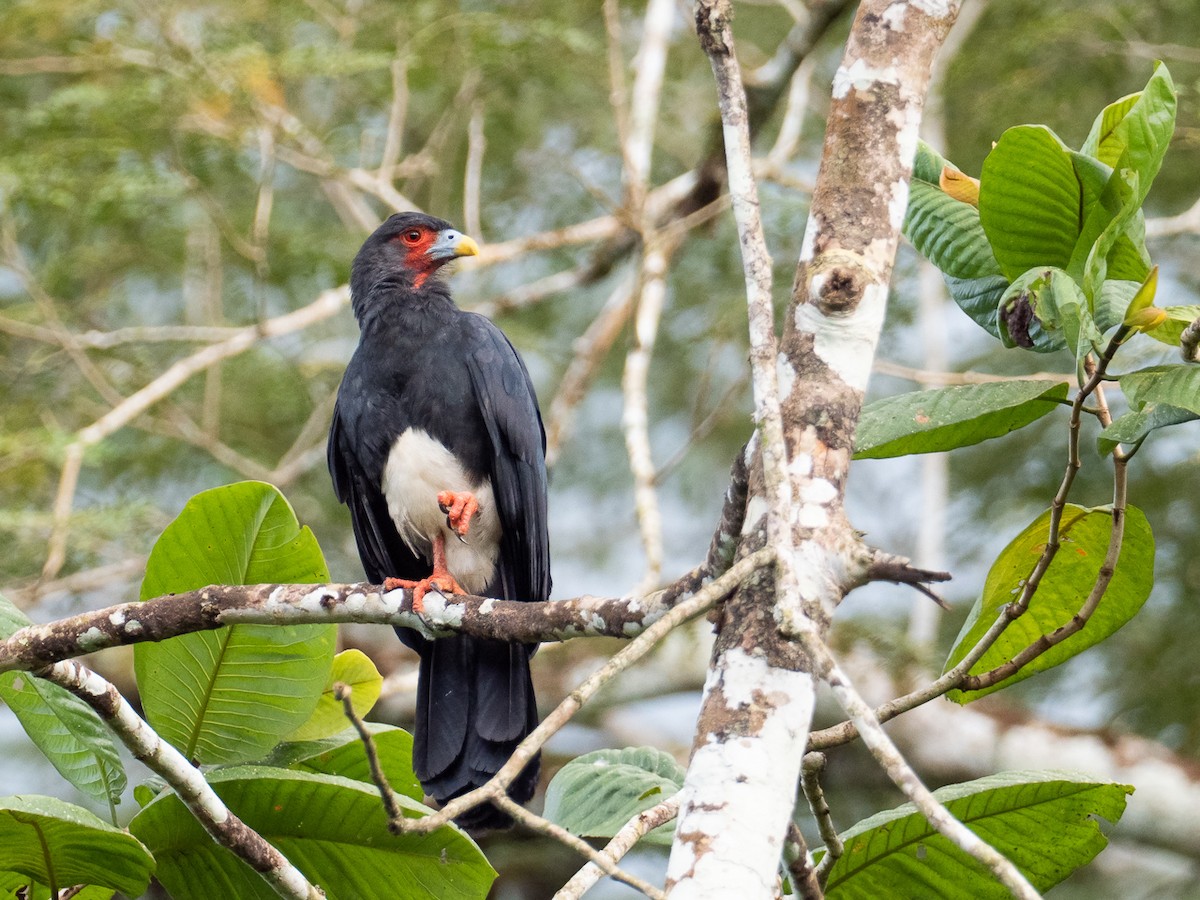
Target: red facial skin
point(416, 243)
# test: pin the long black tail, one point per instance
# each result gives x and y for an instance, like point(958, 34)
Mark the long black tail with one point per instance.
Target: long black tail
point(475, 704)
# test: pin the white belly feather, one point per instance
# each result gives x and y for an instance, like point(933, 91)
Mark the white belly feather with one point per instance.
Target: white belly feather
point(418, 469)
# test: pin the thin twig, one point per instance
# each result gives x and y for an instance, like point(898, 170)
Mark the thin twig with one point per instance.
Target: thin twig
point(596, 858)
point(799, 866)
point(326, 305)
point(811, 769)
point(343, 693)
point(620, 844)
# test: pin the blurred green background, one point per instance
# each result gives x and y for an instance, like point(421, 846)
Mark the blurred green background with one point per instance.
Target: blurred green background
point(170, 171)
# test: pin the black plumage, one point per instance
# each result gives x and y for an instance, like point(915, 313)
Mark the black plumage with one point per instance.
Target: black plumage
point(436, 399)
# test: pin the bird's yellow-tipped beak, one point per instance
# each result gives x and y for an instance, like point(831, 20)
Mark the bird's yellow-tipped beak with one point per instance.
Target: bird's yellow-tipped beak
point(465, 246)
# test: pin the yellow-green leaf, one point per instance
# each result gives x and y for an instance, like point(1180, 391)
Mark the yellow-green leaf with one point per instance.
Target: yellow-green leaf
point(354, 669)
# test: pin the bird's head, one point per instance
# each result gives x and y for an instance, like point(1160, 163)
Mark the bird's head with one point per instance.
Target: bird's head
point(407, 249)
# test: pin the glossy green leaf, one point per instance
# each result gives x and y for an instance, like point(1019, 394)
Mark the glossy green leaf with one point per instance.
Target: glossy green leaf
point(68, 731)
point(70, 734)
point(343, 754)
point(230, 695)
point(1133, 427)
point(979, 298)
point(944, 418)
point(594, 795)
point(1084, 537)
point(1044, 822)
point(1105, 223)
point(1178, 318)
point(1112, 301)
point(947, 233)
point(333, 829)
point(1138, 139)
point(928, 163)
point(58, 845)
point(1103, 142)
point(354, 669)
point(1029, 200)
point(1173, 385)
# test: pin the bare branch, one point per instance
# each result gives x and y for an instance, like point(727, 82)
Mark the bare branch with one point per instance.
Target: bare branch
point(325, 306)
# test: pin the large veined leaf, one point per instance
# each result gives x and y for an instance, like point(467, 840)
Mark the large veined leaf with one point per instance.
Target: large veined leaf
point(1134, 132)
point(14, 886)
point(354, 669)
point(1174, 385)
point(945, 418)
point(1045, 822)
point(594, 795)
point(230, 695)
point(332, 829)
point(1084, 537)
point(1029, 200)
point(1134, 426)
point(59, 845)
point(947, 233)
point(343, 754)
point(68, 731)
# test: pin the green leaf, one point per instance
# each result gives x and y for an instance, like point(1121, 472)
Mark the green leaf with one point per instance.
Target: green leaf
point(343, 754)
point(1136, 136)
point(1173, 385)
point(1029, 200)
point(354, 669)
point(14, 886)
point(12, 619)
point(979, 298)
point(594, 795)
point(1133, 427)
point(70, 734)
point(944, 418)
point(947, 233)
point(1105, 223)
point(333, 829)
point(1062, 307)
point(1017, 314)
point(1102, 142)
point(1178, 318)
point(928, 163)
point(1045, 822)
point(58, 845)
point(68, 731)
point(1084, 536)
point(230, 695)
point(1112, 301)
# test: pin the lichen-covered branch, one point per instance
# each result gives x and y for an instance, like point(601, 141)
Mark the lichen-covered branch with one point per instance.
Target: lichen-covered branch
point(187, 781)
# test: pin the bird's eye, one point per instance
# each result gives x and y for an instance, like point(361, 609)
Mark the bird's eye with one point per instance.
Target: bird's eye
point(412, 237)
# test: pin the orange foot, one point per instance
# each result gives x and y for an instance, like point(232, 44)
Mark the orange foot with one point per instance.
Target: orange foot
point(439, 579)
point(460, 507)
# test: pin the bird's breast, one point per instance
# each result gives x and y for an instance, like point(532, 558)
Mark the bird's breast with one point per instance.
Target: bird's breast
point(418, 468)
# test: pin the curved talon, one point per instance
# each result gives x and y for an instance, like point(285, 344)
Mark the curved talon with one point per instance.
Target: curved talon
point(460, 507)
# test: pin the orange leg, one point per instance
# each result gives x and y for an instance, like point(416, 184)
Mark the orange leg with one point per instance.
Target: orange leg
point(439, 579)
point(460, 507)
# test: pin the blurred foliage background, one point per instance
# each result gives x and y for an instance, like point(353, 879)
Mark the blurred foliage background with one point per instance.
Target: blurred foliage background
point(173, 171)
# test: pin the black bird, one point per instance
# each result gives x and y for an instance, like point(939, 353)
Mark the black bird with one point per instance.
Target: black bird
point(437, 447)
